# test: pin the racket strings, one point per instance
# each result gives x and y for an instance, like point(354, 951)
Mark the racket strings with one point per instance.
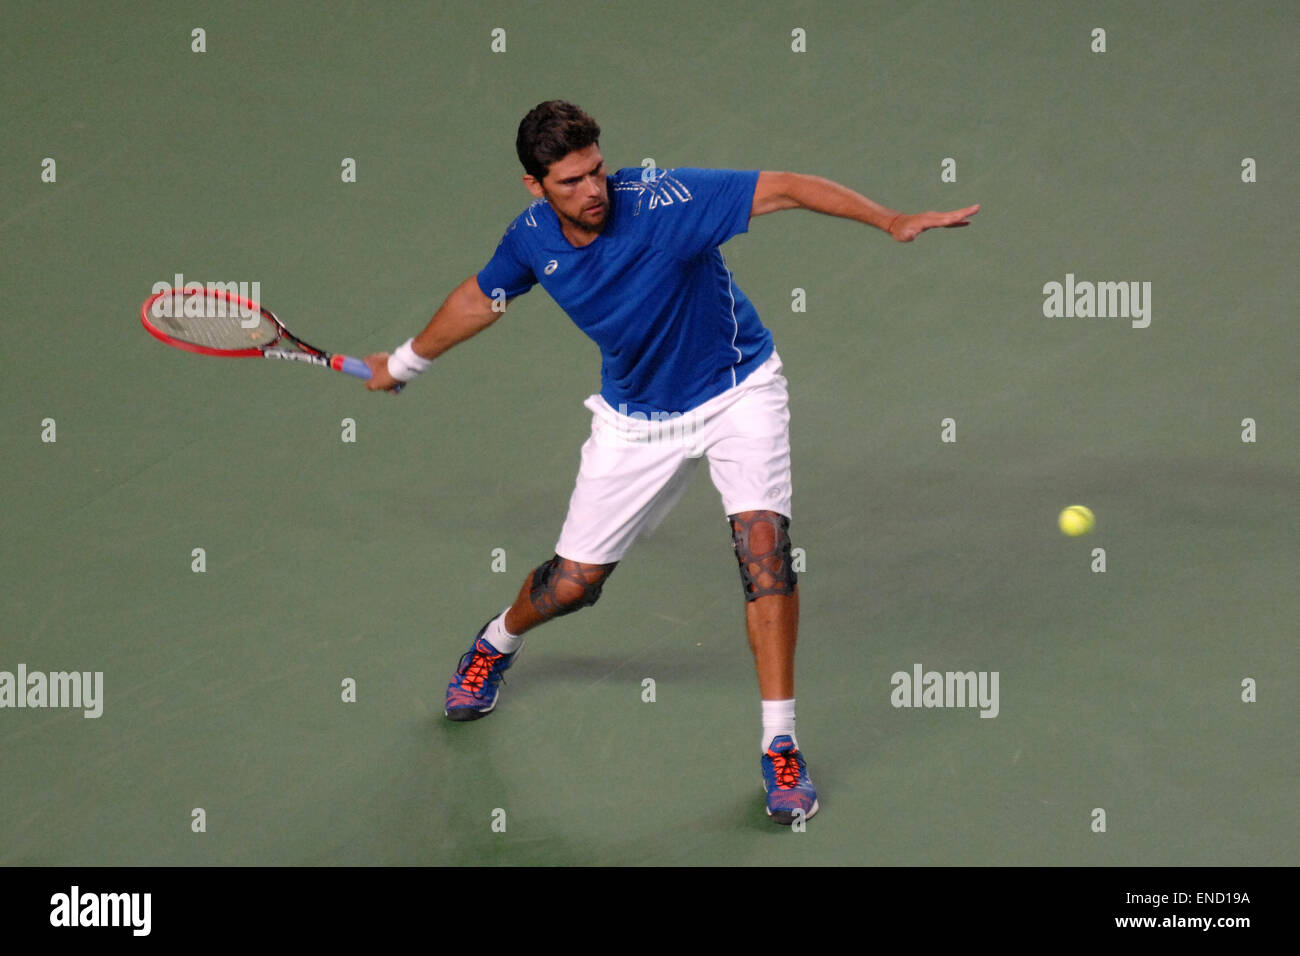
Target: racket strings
point(213, 321)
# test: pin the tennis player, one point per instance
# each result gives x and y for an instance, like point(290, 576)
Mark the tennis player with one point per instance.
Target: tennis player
point(688, 372)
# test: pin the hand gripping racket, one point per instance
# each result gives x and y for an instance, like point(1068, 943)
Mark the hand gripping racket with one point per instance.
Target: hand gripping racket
point(216, 322)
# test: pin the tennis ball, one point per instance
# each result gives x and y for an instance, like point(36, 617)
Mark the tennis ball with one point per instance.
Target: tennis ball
point(1076, 520)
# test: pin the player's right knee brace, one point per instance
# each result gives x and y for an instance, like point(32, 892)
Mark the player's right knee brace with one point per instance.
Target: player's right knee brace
point(561, 587)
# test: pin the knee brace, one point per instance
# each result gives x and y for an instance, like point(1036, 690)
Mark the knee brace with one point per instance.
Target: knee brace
point(767, 569)
point(561, 587)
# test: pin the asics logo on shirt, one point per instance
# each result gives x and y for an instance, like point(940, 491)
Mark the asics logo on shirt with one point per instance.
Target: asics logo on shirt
point(551, 267)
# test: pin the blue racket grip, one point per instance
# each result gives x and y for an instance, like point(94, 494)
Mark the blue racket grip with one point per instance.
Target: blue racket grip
point(351, 366)
point(358, 369)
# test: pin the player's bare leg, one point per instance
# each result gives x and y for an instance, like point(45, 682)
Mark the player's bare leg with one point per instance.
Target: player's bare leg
point(762, 546)
point(771, 598)
point(773, 626)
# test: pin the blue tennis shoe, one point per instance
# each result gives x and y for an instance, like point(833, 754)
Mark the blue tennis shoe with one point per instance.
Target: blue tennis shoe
point(472, 693)
point(790, 791)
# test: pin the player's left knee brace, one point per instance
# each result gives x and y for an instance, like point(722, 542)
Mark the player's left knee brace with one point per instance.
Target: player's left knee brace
point(762, 543)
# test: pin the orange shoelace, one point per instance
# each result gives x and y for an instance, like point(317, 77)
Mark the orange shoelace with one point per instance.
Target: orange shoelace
point(478, 670)
point(786, 767)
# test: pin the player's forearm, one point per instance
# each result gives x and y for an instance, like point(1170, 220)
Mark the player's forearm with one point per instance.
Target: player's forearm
point(465, 313)
point(832, 199)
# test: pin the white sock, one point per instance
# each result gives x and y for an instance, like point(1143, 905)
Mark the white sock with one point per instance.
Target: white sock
point(778, 719)
point(497, 635)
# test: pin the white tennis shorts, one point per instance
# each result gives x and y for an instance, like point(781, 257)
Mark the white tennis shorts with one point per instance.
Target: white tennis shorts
point(635, 469)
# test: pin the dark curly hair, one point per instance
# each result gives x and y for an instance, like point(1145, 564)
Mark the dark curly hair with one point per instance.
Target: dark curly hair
point(551, 131)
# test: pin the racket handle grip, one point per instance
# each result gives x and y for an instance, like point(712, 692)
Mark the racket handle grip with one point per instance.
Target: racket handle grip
point(351, 366)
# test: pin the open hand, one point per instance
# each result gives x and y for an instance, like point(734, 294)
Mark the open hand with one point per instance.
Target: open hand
point(906, 228)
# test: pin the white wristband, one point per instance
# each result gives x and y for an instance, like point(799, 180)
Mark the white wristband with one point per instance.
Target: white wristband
point(404, 364)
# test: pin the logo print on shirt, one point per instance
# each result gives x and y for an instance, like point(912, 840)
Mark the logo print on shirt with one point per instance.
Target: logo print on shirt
point(551, 267)
point(662, 191)
point(529, 218)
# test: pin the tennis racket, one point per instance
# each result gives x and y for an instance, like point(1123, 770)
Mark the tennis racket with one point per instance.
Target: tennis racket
point(216, 322)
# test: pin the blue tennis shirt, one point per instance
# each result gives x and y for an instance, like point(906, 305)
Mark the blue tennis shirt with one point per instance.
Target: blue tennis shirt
point(652, 291)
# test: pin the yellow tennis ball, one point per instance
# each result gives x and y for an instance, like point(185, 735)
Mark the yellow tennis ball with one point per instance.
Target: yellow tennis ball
point(1076, 520)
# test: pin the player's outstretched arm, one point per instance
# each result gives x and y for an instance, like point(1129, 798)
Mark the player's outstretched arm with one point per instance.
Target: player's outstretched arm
point(465, 313)
point(777, 191)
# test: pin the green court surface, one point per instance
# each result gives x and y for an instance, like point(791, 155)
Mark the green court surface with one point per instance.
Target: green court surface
point(372, 561)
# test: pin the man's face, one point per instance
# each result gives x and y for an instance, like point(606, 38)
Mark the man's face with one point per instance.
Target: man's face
point(576, 189)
